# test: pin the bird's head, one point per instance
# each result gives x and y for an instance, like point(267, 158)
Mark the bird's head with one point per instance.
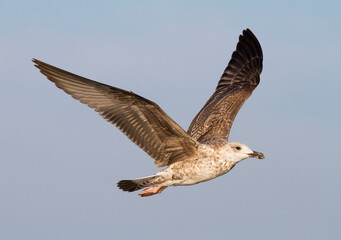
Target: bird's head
point(241, 151)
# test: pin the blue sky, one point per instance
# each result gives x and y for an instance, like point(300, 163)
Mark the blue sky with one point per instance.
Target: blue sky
point(60, 161)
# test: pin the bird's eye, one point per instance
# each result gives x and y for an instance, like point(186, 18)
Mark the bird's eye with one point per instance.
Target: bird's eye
point(238, 148)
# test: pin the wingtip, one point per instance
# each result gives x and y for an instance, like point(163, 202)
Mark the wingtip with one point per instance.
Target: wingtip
point(251, 39)
point(246, 30)
point(247, 33)
point(40, 64)
point(36, 62)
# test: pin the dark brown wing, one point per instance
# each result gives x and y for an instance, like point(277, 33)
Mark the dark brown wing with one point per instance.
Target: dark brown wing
point(144, 122)
point(213, 123)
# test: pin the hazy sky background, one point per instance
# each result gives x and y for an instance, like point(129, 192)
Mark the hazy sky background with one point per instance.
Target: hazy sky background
point(59, 161)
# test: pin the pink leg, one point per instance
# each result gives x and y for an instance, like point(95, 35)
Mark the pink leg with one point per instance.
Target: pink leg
point(152, 191)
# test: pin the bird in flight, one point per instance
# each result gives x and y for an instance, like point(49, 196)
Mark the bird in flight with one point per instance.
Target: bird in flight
point(200, 154)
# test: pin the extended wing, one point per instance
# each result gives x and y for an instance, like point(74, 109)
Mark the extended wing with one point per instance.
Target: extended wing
point(143, 121)
point(213, 123)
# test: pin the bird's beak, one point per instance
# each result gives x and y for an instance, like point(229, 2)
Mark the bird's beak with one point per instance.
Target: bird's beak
point(258, 155)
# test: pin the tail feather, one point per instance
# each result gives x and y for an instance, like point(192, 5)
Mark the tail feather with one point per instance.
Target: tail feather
point(135, 184)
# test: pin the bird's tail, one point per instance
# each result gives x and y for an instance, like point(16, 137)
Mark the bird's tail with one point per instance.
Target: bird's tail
point(136, 184)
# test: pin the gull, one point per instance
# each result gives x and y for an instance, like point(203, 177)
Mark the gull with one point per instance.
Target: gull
point(198, 155)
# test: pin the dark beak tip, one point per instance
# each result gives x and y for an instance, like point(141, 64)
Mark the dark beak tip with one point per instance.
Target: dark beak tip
point(261, 155)
point(258, 155)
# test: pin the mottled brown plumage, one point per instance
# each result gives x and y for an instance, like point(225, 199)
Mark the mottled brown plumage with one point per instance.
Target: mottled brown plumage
point(198, 155)
point(143, 121)
point(240, 78)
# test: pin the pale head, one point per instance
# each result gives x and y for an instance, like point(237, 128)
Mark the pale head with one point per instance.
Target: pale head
point(240, 151)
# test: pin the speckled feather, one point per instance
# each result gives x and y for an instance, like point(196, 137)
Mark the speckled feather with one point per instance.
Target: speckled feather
point(198, 155)
point(140, 119)
point(213, 123)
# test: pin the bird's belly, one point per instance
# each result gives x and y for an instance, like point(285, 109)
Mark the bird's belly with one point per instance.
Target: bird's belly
point(200, 176)
point(194, 180)
point(199, 171)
